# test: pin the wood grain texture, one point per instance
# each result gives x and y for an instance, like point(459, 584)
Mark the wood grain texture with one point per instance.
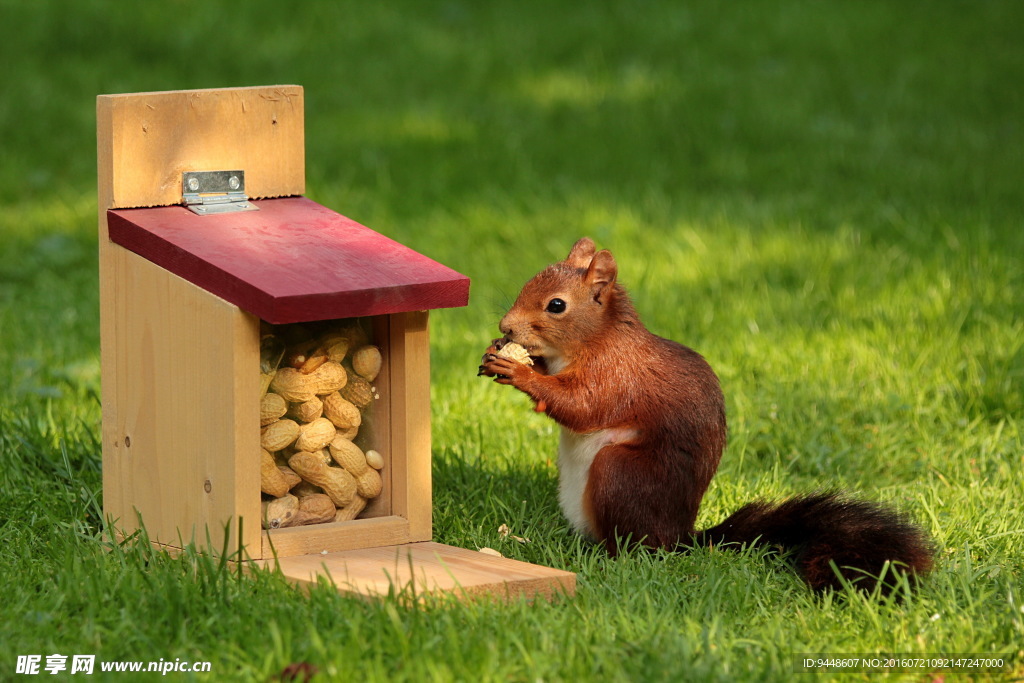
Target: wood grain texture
point(412, 493)
point(332, 537)
point(154, 137)
point(292, 261)
point(426, 568)
point(179, 389)
point(180, 409)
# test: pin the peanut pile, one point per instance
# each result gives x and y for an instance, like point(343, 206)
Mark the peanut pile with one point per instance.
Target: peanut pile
point(317, 391)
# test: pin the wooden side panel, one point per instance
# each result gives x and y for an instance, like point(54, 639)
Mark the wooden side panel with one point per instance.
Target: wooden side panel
point(154, 137)
point(417, 569)
point(180, 408)
point(412, 496)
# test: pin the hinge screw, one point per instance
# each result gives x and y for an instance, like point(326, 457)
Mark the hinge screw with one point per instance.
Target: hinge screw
point(234, 183)
point(193, 184)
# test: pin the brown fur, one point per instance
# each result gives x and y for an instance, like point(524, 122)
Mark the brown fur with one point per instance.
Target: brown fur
point(600, 369)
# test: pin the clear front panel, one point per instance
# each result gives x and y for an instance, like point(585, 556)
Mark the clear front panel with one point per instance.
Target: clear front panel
point(323, 421)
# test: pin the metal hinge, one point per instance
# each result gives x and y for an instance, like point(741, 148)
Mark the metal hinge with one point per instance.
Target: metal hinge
point(210, 192)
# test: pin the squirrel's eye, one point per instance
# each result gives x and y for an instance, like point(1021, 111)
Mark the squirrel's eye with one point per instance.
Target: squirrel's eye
point(555, 306)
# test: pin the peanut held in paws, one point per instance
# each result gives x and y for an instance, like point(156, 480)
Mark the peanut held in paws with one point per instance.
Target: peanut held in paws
point(515, 352)
point(506, 349)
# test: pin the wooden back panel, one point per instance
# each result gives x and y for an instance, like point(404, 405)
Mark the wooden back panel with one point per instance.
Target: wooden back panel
point(180, 397)
point(147, 140)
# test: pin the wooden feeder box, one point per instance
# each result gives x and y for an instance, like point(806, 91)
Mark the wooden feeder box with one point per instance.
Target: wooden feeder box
point(202, 304)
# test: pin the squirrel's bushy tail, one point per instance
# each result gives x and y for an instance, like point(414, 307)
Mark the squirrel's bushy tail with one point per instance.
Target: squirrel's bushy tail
point(823, 530)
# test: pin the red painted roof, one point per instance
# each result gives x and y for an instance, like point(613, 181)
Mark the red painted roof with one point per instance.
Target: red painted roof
point(292, 261)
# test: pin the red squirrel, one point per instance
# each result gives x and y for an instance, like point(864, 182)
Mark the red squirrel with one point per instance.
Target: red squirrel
point(643, 427)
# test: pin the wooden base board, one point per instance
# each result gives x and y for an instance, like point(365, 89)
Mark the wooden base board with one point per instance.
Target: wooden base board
point(424, 568)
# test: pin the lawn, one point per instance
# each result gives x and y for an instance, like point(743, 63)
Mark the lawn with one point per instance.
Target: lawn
point(824, 199)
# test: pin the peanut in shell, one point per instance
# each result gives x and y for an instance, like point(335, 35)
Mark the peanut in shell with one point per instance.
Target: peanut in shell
point(336, 347)
point(307, 411)
point(328, 378)
point(278, 435)
point(272, 480)
point(315, 435)
point(357, 391)
point(289, 475)
point(279, 512)
point(352, 510)
point(292, 385)
point(341, 412)
point(369, 484)
point(336, 482)
point(314, 509)
point(366, 361)
point(272, 407)
point(514, 351)
point(349, 456)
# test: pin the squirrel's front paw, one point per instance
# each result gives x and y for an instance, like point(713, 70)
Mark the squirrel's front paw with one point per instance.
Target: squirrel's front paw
point(483, 370)
point(491, 352)
point(503, 370)
point(504, 350)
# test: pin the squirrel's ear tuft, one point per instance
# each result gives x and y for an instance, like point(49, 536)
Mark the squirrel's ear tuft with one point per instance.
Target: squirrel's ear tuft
point(601, 275)
point(581, 253)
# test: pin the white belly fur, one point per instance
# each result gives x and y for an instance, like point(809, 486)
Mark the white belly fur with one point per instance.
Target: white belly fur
point(575, 454)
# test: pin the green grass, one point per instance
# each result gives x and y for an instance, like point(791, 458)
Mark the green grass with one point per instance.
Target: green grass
point(823, 199)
